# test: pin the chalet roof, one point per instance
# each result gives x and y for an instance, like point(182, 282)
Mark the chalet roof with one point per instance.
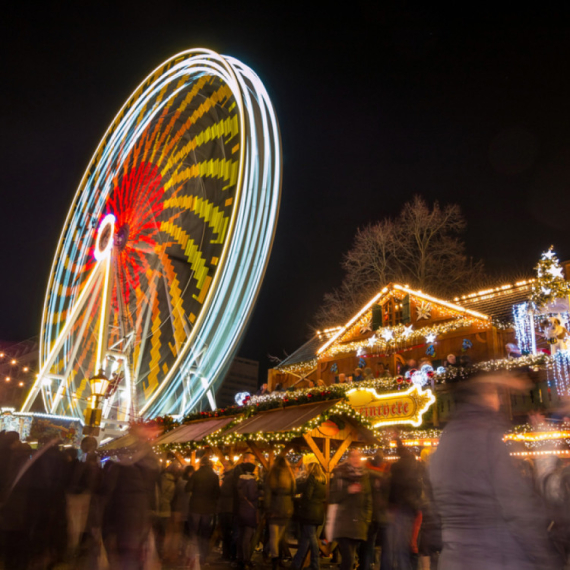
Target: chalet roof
point(498, 301)
point(308, 351)
point(194, 431)
point(282, 419)
point(420, 295)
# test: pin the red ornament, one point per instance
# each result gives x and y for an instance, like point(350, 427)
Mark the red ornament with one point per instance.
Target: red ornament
point(399, 379)
point(309, 395)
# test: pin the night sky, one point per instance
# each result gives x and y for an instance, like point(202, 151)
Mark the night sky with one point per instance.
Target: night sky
point(375, 105)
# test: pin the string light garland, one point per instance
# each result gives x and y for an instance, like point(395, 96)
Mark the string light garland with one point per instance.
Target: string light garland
point(393, 336)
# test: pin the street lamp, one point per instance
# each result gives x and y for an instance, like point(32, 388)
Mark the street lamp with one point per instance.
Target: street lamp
point(99, 385)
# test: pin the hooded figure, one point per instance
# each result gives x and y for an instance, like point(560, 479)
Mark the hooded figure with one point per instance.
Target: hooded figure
point(492, 517)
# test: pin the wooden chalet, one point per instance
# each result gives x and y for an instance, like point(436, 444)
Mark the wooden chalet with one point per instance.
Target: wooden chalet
point(396, 325)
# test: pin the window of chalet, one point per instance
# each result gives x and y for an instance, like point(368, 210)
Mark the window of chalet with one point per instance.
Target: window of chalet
point(391, 313)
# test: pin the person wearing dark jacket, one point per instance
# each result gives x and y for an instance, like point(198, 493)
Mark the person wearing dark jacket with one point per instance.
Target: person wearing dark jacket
point(310, 515)
point(278, 504)
point(350, 489)
point(248, 496)
point(204, 486)
point(492, 517)
point(379, 484)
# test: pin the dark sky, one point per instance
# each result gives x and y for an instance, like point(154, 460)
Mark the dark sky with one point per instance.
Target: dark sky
point(375, 104)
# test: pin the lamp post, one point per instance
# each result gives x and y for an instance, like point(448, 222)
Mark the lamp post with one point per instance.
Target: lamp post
point(99, 385)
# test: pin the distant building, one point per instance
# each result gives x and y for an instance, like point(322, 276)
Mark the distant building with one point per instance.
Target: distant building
point(18, 369)
point(243, 376)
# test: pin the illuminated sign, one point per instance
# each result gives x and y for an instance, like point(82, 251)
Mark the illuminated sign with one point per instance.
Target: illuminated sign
point(405, 407)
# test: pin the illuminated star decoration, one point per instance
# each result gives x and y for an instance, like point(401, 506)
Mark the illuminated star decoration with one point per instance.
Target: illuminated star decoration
point(407, 331)
point(366, 327)
point(360, 351)
point(424, 311)
point(546, 290)
point(555, 271)
point(430, 337)
point(372, 340)
point(548, 254)
point(387, 335)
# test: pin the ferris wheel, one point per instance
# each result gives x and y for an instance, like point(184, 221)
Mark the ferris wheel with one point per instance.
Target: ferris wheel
point(165, 245)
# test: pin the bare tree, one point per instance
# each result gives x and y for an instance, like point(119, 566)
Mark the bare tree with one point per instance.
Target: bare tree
point(421, 248)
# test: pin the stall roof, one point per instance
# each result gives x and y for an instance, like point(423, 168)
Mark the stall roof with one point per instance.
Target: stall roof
point(282, 419)
point(498, 301)
point(194, 431)
point(124, 441)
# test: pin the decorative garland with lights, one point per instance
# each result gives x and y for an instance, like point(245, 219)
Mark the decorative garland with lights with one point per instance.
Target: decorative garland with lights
point(389, 337)
point(299, 367)
point(534, 361)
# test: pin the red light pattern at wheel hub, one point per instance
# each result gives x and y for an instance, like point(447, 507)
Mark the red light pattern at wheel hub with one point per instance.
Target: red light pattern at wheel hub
point(136, 205)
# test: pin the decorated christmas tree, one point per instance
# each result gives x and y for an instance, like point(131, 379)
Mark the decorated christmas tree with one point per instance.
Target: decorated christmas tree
point(550, 283)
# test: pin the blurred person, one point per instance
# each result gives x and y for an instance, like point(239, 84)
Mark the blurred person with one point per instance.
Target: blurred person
point(491, 516)
point(382, 370)
point(430, 534)
point(358, 375)
point(378, 472)
point(15, 509)
point(368, 374)
point(404, 501)
point(350, 490)
point(166, 496)
point(204, 486)
point(311, 515)
point(179, 521)
point(341, 378)
point(278, 504)
point(226, 510)
point(129, 498)
point(247, 513)
point(410, 365)
point(263, 390)
point(321, 383)
point(451, 361)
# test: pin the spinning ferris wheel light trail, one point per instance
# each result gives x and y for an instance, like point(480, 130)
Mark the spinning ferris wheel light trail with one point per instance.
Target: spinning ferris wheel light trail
point(165, 245)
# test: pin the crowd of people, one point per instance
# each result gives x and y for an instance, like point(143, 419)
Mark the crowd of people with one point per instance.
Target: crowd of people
point(466, 506)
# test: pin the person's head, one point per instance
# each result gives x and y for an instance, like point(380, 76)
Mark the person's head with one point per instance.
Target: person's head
point(342, 378)
point(205, 461)
point(320, 383)
point(425, 454)
point(451, 359)
point(248, 457)
point(368, 372)
point(310, 384)
point(281, 472)
point(486, 389)
point(227, 464)
point(188, 472)
point(412, 363)
point(354, 458)
point(378, 458)
point(316, 471)
point(358, 372)
point(381, 368)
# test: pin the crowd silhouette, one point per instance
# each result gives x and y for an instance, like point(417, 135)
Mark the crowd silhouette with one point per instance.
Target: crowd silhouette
point(466, 506)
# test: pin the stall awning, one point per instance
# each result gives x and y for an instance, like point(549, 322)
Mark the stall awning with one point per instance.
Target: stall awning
point(195, 431)
point(124, 441)
point(282, 419)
